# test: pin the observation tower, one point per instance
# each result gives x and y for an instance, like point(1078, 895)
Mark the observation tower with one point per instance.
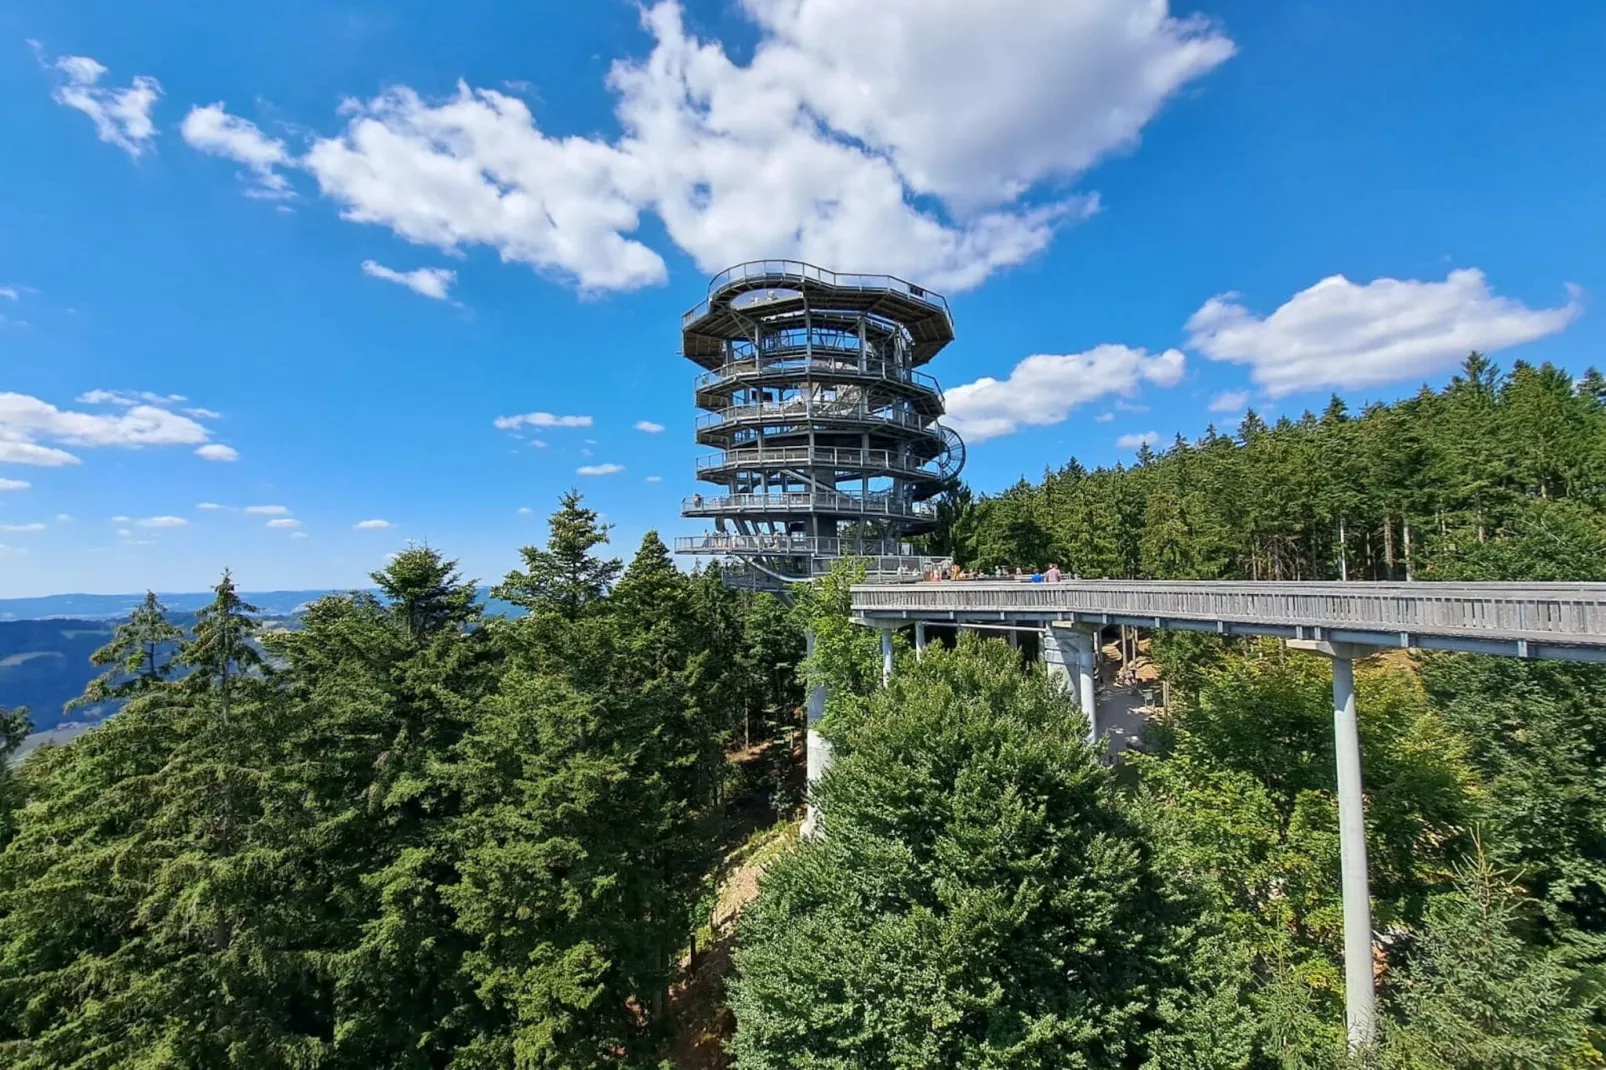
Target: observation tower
point(826, 435)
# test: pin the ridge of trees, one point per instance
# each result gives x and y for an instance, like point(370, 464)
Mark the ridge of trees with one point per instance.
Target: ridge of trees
point(1417, 489)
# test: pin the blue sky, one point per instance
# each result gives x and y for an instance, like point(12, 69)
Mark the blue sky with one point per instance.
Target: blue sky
point(189, 195)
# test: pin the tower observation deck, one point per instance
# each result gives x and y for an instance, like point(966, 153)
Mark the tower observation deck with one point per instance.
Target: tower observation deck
point(825, 436)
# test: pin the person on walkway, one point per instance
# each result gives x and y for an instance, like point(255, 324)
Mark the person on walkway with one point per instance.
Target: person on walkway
point(1053, 574)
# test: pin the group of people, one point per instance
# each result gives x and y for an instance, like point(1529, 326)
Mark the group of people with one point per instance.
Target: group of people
point(1051, 574)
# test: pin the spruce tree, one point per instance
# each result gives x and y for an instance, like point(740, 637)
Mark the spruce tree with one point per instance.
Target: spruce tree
point(566, 577)
point(140, 654)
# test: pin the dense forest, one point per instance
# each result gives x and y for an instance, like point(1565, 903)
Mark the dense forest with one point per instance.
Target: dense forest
point(1412, 490)
point(415, 834)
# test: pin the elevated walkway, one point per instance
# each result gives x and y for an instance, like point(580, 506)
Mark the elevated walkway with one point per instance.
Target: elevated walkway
point(1565, 621)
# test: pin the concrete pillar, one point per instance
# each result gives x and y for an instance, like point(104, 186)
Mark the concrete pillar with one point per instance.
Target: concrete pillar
point(1086, 679)
point(819, 748)
point(920, 638)
point(1074, 651)
point(886, 656)
point(1360, 1014)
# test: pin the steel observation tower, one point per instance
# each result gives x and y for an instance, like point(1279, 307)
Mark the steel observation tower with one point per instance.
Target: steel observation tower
point(828, 438)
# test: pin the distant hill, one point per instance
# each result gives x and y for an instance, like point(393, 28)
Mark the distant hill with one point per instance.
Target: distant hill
point(45, 644)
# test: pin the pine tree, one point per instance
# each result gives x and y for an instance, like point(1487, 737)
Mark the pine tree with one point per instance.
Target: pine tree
point(221, 649)
point(565, 577)
point(140, 654)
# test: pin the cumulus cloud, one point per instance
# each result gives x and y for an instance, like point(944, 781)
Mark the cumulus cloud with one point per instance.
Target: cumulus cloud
point(204, 414)
point(862, 150)
point(655, 479)
point(162, 522)
point(267, 510)
point(649, 427)
point(122, 117)
point(22, 528)
point(1133, 441)
point(216, 451)
point(298, 535)
point(1340, 334)
point(284, 522)
point(525, 510)
point(207, 505)
point(539, 419)
point(369, 525)
point(1229, 401)
point(14, 484)
point(1043, 389)
point(599, 469)
point(431, 282)
point(26, 423)
point(10, 293)
point(217, 133)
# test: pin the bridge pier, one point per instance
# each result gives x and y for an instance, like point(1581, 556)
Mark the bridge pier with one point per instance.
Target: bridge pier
point(886, 656)
point(1360, 1013)
point(818, 749)
point(920, 638)
point(1064, 648)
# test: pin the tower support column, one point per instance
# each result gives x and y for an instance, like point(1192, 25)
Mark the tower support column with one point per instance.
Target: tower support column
point(920, 638)
point(886, 656)
point(818, 752)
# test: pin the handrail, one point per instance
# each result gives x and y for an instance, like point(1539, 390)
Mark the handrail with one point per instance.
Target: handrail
point(825, 546)
point(879, 370)
point(803, 409)
point(783, 270)
point(835, 502)
point(1556, 613)
point(821, 456)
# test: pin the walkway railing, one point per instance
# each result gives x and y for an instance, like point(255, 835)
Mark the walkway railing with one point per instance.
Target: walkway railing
point(1401, 614)
point(822, 502)
point(821, 457)
point(780, 545)
point(798, 364)
point(799, 410)
point(782, 271)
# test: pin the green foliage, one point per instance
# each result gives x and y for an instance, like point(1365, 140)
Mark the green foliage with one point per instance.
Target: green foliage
point(978, 898)
point(140, 655)
point(1432, 486)
point(564, 578)
point(424, 839)
point(846, 659)
point(1479, 992)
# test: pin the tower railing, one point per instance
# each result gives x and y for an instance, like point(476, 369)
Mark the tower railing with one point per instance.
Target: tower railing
point(821, 457)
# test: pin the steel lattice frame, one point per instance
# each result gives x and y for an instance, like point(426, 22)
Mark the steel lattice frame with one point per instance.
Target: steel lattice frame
point(828, 436)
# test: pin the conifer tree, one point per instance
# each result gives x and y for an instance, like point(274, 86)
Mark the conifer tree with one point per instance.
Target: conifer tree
point(140, 654)
point(566, 577)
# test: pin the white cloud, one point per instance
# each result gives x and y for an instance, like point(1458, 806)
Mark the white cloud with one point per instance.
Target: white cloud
point(267, 510)
point(525, 510)
point(25, 420)
point(537, 444)
point(1104, 417)
point(862, 150)
point(365, 525)
point(1043, 389)
point(1132, 442)
point(284, 522)
point(431, 282)
point(14, 484)
point(217, 133)
point(127, 397)
point(22, 527)
point(122, 117)
point(63, 518)
point(162, 522)
point(122, 519)
point(1229, 401)
point(298, 535)
point(649, 427)
point(207, 505)
point(204, 414)
point(1341, 334)
point(655, 479)
point(599, 469)
point(124, 532)
point(10, 293)
point(216, 451)
point(539, 419)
